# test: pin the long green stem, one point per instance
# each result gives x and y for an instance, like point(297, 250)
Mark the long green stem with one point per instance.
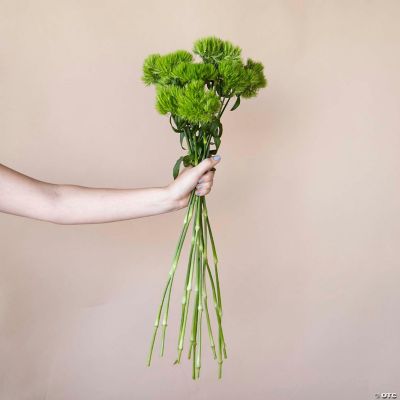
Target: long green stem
point(186, 224)
point(187, 219)
point(223, 108)
point(193, 335)
point(216, 295)
point(187, 292)
point(200, 293)
point(215, 259)
point(197, 269)
point(205, 299)
point(195, 328)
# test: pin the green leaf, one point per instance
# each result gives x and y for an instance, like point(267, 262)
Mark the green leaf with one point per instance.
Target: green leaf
point(182, 136)
point(188, 160)
point(199, 150)
point(172, 126)
point(220, 129)
point(217, 142)
point(237, 103)
point(175, 171)
point(214, 128)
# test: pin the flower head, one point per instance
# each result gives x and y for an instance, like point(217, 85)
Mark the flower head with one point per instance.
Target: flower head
point(196, 104)
point(186, 72)
point(233, 76)
point(255, 78)
point(213, 50)
point(166, 98)
point(158, 69)
point(191, 90)
point(150, 69)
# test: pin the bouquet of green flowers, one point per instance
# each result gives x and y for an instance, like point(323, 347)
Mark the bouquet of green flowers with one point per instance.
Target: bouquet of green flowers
point(195, 96)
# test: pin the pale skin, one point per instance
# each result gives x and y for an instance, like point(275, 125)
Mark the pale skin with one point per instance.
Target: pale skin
point(72, 204)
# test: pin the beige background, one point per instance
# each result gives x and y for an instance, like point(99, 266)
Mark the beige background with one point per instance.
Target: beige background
point(305, 207)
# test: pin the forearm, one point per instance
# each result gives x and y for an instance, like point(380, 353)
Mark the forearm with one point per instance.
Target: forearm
point(82, 205)
point(71, 204)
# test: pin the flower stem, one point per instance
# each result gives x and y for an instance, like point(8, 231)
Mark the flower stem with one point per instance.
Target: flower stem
point(205, 299)
point(198, 269)
point(223, 108)
point(187, 220)
point(187, 292)
point(196, 304)
point(186, 224)
point(216, 295)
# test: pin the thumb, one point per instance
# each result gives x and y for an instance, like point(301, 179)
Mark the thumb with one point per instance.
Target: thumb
point(207, 164)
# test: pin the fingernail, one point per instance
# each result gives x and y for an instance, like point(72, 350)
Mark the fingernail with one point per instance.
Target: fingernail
point(199, 186)
point(217, 157)
point(201, 180)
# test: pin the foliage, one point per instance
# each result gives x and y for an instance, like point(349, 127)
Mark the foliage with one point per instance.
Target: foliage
point(190, 90)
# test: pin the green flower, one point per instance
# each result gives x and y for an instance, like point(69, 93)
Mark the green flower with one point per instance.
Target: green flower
point(158, 69)
point(180, 82)
point(254, 80)
point(150, 69)
point(195, 104)
point(213, 50)
point(233, 76)
point(186, 72)
point(166, 98)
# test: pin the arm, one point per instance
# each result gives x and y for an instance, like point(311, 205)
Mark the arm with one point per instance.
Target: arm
point(71, 204)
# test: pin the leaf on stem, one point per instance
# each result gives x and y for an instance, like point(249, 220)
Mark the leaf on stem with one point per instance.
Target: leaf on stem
point(177, 130)
point(182, 136)
point(188, 160)
point(175, 171)
point(237, 103)
point(217, 142)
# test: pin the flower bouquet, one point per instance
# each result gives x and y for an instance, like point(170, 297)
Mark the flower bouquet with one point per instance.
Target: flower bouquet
point(195, 96)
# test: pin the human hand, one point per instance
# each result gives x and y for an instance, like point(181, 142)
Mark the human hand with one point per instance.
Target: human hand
point(200, 177)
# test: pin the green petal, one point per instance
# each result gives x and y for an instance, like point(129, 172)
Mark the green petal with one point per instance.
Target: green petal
point(150, 70)
point(196, 104)
point(212, 49)
point(157, 69)
point(186, 72)
point(166, 98)
point(254, 80)
point(233, 76)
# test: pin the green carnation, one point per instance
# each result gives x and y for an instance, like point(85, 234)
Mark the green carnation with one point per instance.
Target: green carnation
point(158, 69)
point(166, 98)
point(196, 104)
point(213, 50)
point(150, 69)
point(186, 72)
point(233, 76)
point(254, 80)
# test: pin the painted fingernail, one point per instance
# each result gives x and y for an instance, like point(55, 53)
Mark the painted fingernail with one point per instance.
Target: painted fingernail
point(201, 180)
point(217, 157)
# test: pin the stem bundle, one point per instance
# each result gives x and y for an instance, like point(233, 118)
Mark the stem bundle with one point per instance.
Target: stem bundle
point(197, 271)
point(198, 139)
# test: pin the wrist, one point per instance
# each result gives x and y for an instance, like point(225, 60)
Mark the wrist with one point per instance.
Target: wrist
point(173, 201)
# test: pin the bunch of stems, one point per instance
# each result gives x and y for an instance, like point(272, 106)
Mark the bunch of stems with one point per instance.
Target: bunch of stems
point(198, 139)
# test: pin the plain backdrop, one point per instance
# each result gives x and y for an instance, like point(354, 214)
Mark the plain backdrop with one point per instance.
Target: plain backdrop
point(305, 206)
